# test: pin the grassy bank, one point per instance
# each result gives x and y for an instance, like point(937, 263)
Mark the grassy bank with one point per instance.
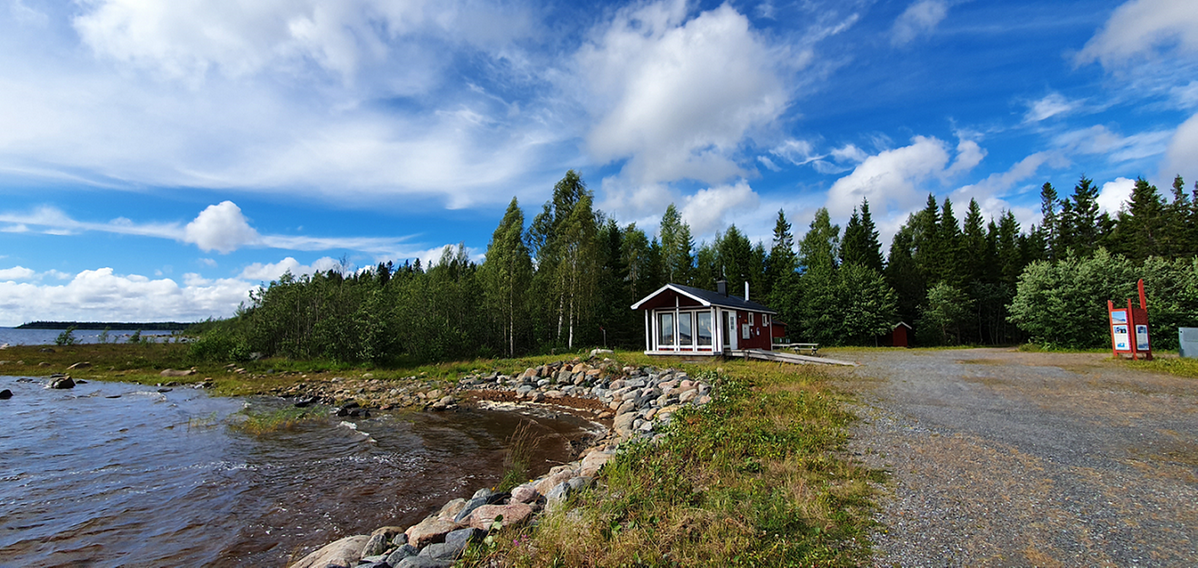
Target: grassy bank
point(754, 478)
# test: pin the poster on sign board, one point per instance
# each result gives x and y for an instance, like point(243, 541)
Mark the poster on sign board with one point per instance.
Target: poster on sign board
point(1122, 339)
point(1142, 338)
point(1119, 316)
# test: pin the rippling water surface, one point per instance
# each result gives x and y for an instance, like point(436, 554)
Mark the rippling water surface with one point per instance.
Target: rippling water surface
point(111, 474)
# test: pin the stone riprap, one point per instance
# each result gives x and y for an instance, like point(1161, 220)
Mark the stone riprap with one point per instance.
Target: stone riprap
point(639, 400)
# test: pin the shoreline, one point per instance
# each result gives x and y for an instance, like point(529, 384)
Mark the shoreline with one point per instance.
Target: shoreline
point(631, 403)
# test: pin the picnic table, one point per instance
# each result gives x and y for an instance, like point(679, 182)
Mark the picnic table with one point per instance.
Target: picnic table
point(809, 348)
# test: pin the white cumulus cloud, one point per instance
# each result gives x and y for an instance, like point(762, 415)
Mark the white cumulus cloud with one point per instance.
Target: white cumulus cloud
point(706, 210)
point(222, 228)
point(1181, 157)
point(16, 273)
point(677, 97)
point(102, 295)
point(272, 271)
point(891, 179)
point(1114, 194)
point(1140, 27)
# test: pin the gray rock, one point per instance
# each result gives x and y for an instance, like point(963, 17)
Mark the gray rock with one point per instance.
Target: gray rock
point(404, 551)
point(455, 543)
point(376, 546)
point(623, 423)
point(484, 492)
point(471, 505)
point(424, 562)
point(558, 493)
point(5, 394)
point(688, 396)
point(63, 383)
point(399, 540)
point(626, 407)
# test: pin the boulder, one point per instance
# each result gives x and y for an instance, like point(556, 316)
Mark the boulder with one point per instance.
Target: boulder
point(545, 485)
point(513, 513)
point(424, 562)
point(376, 545)
point(592, 464)
point(344, 552)
point(455, 543)
point(526, 493)
point(177, 373)
point(404, 551)
point(428, 531)
point(471, 505)
point(63, 383)
point(688, 396)
point(623, 423)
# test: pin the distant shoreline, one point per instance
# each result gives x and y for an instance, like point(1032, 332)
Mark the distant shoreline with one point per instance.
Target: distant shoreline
point(114, 326)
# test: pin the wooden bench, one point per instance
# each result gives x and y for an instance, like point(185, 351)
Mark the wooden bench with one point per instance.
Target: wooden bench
point(809, 348)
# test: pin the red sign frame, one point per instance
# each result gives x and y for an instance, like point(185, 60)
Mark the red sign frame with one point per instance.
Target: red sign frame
point(1129, 327)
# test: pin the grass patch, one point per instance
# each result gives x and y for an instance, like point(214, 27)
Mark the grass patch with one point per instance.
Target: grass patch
point(754, 478)
point(1167, 365)
point(521, 446)
point(267, 422)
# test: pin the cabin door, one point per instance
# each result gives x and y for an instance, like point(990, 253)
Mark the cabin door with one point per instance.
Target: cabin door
point(729, 327)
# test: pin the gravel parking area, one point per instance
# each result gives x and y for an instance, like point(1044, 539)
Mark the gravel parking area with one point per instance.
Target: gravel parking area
point(1002, 458)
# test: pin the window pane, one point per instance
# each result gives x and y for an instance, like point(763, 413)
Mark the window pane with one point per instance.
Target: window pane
point(665, 329)
point(684, 329)
point(703, 323)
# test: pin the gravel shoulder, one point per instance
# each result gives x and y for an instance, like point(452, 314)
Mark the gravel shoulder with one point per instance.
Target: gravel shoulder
point(1003, 458)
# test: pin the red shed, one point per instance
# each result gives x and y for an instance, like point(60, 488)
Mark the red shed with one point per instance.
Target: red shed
point(900, 336)
point(683, 320)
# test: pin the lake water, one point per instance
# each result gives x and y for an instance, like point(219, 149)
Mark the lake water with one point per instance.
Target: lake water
point(13, 336)
point(114, 474)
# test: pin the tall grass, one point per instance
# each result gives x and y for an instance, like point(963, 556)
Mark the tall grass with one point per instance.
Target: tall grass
point(517, 462)
point(267, 422)
point(752, 479)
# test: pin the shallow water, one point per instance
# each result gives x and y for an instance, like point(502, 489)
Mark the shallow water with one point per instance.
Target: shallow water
point(157, 479)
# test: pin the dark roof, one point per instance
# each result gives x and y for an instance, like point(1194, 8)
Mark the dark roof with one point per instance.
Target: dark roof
point(708, 298)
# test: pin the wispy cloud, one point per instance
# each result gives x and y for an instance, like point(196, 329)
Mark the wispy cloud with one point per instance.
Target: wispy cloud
point(918, 19)
point(222, 228)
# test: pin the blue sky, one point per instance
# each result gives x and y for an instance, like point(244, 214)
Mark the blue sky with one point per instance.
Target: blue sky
point(160, 159)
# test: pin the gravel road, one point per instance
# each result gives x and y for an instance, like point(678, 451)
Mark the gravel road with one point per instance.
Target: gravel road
point(1002, 458)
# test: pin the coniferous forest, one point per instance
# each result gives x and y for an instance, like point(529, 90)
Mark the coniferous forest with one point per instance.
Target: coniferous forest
point(565, 279)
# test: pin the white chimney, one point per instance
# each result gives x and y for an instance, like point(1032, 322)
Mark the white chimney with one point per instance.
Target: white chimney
point(746, 290)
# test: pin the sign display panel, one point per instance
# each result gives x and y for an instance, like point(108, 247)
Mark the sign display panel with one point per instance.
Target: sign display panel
point(1142, 338)
point(1122, 338)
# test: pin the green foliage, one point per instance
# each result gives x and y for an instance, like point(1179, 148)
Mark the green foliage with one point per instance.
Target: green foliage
point(103, 337)
point(219, 345)
point(945, 316)
point(67, 337)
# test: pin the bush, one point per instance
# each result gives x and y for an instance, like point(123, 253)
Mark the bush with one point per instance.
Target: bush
point(219, 345)
point(67, 337)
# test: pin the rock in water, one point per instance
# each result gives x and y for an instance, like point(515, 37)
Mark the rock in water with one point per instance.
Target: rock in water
point(344, 552)
point(63, 383)
point(5, 394)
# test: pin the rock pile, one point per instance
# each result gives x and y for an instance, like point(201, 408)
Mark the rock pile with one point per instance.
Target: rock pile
point(441, 538)
point(640, 400)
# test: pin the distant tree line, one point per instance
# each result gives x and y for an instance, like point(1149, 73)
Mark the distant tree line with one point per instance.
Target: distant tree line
point(115, 326)
point(566, 279)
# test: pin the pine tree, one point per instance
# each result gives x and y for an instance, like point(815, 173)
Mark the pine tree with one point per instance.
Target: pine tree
point(975, 247)
point(951, 268)
point(1085, 230)
point(1140, 227)
point(1050, 224)
point(820, 247)
point(1179, 233)
point(903, 273)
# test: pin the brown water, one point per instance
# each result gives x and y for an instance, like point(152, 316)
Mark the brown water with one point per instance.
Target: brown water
point(160, 479)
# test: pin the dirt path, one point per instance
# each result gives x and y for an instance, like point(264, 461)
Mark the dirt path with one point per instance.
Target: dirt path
point(1001, 458)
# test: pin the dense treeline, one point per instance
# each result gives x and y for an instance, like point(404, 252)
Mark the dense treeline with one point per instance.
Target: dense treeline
point(115, 326)
point(566, 279)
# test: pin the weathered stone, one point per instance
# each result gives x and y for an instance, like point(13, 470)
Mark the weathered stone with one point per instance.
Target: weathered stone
point(544, 485)
point(555, 394)
point(63, 383)
point(375, 546)
point(177, 372)
point(526, 493)
point(404, 551)
point(537, 396)
point(703, 400)
point(424, 562)
point(513, 513)
point(687, 396)
point(455, 543)
point(624, 423)
point(451, 509)
point(592, 463)
point(471, 505)
point(430, 530)
point(484, 493)
point(344, 552)
point(5, 394)
point(627, 407)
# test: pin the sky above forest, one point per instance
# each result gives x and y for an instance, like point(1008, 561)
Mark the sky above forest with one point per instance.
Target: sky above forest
point(160, 159)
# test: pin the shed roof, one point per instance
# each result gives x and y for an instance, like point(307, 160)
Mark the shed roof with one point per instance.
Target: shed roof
point(707, 298)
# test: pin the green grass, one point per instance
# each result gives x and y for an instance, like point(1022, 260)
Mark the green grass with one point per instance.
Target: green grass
point(1170, 365)
point(755, 478)
point(267, 422)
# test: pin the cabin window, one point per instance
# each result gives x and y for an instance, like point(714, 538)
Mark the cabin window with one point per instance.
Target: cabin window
point(750, 318)
point(703, 325)
point(665, 329)
point(765, 320)
point(684, 329)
